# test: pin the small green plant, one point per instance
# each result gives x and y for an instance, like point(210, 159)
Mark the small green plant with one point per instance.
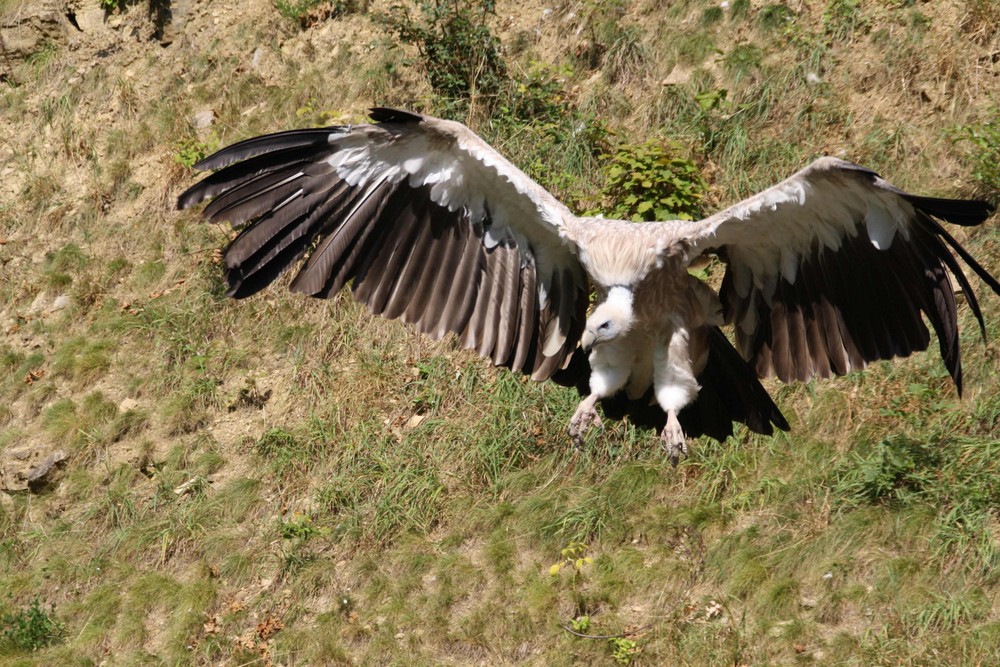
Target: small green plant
point(190, 152)
point(573, 555)
point(31, 628)
point(651, 181)
point(296, 532)
point(580, 624)
point(311, 113)
point(623, 649)
point(538, 98)
point(300, 527)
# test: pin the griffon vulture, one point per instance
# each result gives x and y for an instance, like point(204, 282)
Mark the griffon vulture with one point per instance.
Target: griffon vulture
point(826, 271)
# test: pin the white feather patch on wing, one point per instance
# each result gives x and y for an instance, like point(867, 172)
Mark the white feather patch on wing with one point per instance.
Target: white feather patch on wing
point(881, 226)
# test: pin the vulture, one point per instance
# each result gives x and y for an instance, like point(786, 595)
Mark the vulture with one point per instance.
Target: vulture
point(827, 271)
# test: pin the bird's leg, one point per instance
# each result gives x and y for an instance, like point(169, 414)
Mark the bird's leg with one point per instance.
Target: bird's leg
point(672, 438)
point(675, 387)
point(583, 418)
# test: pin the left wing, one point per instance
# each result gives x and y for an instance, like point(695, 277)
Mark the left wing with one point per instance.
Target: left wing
point(831, 269)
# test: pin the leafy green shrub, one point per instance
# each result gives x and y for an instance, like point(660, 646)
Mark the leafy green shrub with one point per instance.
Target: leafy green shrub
point(540, 97)
point(651, 181)
point(459, 51)
point(300, 527)
point(742, 60)
point(31, 628)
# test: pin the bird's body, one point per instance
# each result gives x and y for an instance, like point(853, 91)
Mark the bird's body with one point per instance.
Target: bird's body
point(643, 277)
point(826, 271)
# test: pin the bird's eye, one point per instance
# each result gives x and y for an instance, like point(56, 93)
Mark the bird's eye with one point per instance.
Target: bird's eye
point(605, 326)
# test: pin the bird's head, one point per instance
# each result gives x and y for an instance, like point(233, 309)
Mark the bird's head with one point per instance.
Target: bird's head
point(610, 320)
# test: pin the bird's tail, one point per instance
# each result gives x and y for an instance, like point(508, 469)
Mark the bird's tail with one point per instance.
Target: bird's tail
point(730, 392)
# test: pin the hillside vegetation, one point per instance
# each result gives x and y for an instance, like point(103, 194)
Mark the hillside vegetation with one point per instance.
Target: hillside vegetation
point(289, 481)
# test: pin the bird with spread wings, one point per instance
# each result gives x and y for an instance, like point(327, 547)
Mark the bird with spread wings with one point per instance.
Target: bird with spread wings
point(826, 271)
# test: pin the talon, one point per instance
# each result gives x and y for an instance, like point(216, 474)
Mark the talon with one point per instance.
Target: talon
point(677, 452)
point(584, 417)
point(673, 440)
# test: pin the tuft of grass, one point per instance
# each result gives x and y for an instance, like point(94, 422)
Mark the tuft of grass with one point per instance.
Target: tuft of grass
point(843, 19)
point(83, 360)
point(775, 16)
point(89, 424)
point(308, 13)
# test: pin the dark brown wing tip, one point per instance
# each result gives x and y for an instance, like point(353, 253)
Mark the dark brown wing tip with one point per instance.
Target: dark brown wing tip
point(389, 115)
point(964, 212)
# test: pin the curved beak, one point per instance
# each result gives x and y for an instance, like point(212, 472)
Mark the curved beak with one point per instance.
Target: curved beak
point(587, 340)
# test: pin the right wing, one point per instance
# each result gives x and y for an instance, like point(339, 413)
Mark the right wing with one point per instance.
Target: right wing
point(431, 224)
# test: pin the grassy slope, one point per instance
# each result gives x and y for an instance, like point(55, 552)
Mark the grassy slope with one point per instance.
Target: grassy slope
point(247, 482)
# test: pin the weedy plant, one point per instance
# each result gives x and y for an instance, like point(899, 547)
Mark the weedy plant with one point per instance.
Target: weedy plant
point(190, 152)
point(623, 649)
point(31, 628)
point(572, 556)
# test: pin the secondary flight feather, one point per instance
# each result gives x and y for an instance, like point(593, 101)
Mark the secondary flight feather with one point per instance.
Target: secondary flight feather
point(827, 271)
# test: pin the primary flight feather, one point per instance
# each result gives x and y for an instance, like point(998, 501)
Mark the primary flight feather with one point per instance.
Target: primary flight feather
point(826, 271)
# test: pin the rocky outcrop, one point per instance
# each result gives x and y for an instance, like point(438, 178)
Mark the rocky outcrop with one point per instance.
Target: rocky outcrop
point(28, 468)
point(34, 25)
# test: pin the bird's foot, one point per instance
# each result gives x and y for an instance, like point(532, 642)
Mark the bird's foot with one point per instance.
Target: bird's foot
point(584, 417)
point(672, 438)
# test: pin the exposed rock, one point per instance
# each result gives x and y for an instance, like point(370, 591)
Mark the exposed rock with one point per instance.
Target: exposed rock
point(59, 303)
point(31, 25)
point(37, 304)
point(29, 467)
point(203, 119)
point(91, 19)
point(678, 76)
